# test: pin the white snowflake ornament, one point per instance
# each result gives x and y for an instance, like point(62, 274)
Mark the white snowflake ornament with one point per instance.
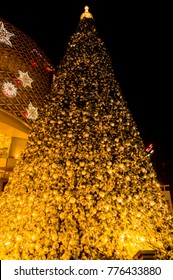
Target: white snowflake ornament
point(25, 79)
point(9, 89)
point(32, 112)
point(5, 35)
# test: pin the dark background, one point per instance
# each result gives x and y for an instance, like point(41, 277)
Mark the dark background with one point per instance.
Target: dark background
point(138, 37)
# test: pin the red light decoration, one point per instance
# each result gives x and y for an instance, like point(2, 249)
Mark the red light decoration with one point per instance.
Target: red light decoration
point(47, 66)
point(24, 114)
point(149, 150)
point(35, 64)
point(17, 82)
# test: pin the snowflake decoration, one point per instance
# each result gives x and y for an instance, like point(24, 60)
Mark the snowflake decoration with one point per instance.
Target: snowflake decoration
point(32, 112)
point(25, 79)
point(9, 89)
point(5, 35)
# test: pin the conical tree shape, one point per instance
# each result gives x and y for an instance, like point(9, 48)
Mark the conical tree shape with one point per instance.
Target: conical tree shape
point(84, 187)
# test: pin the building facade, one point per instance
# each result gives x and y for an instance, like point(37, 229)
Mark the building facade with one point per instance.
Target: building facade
point(25, 79)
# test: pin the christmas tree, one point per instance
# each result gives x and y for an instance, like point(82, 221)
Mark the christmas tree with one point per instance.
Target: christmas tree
point(84, 187)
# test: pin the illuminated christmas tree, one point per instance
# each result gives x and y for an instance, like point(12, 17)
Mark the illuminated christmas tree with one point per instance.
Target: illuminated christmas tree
point(84, 187)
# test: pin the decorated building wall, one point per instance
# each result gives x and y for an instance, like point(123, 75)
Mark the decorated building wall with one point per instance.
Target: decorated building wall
point(25, 78)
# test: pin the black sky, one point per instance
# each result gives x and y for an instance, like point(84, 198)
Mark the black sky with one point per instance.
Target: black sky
point(138, 37)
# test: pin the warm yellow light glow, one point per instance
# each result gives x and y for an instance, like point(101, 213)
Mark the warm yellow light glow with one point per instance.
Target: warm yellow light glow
point(84, 187)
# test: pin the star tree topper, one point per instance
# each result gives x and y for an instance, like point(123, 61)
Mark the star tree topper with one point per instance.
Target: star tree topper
point(5, 35)
point(25, 79)
point(86, 13)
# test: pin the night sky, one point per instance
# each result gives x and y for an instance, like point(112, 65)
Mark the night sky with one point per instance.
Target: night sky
point(138, 37)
